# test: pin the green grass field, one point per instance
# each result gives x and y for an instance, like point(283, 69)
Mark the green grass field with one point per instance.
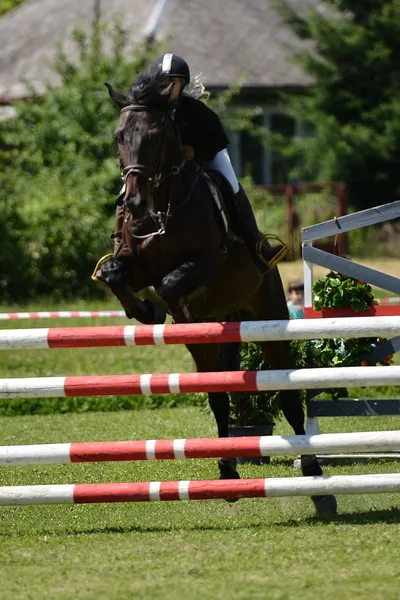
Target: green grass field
point(254, 549)
point(261, 548)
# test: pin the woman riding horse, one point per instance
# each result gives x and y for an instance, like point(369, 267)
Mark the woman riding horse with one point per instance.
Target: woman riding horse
point(179, 249)
point(204, 140)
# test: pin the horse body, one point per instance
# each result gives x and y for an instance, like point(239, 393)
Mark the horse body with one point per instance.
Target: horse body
point(186, 255)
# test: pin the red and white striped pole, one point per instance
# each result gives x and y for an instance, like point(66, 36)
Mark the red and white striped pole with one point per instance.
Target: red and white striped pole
point(172, 383)
point(199, 333)
point(61, 314)
point(198, 490)
point(377, 441)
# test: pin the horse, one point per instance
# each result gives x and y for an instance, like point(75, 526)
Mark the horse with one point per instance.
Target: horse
point(174, 248)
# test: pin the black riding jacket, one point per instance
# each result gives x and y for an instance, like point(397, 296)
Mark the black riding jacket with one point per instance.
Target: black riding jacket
point(200, 127)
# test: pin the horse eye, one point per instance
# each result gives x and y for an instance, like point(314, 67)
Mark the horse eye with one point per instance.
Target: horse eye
point(120, 137)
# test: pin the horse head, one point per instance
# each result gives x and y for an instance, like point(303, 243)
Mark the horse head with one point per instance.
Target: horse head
point(149, 146)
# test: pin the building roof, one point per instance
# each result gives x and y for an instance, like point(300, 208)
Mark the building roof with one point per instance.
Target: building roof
point(220, 38)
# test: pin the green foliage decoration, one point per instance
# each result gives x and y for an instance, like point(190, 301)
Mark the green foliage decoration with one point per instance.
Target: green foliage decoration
point(262, 408)
point(335, 291)
point(341, 291)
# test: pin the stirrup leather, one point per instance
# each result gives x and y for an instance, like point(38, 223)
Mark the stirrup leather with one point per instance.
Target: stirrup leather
point(278, 257)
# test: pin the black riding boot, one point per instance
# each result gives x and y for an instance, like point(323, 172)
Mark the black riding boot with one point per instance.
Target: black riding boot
point(263, 254)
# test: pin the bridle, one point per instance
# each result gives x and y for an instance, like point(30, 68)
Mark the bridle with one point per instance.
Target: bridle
point(153, 175)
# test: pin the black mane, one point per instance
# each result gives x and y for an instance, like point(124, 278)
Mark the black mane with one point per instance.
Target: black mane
point(147, 91)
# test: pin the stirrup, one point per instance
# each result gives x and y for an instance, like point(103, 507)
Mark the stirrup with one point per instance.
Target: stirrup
point(279, 256)
point(98, 267)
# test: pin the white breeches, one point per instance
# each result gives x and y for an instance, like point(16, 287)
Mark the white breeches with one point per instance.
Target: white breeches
point(222, 163)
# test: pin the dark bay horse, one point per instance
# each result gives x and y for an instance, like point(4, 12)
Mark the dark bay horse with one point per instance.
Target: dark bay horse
point(174, 244)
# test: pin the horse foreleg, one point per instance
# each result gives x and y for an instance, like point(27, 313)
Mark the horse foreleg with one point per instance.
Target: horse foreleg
point(144, 311)
point(116, 273)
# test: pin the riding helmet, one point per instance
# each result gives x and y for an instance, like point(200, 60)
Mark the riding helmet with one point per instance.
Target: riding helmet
point(172, 65)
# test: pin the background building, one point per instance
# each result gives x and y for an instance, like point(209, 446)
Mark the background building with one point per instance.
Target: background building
point(223, 39)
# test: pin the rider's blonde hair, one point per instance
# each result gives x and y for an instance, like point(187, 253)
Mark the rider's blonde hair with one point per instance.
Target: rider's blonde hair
point(196, 89)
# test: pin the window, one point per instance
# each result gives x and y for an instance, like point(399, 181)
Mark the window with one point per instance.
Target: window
point(252, 154)
point(279, 165)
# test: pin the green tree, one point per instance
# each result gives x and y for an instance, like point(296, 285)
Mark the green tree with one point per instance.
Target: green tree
point(353, 106)
point(70, 127)
point(59, 171)
point(7, 5)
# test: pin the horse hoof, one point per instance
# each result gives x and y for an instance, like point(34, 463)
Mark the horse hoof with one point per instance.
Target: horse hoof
point(325, 506)
point(227, 470)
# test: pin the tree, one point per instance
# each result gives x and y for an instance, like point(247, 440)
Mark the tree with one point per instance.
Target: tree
point(7, 5)
point(59, 172)
point(353, 106)
point(70, 127)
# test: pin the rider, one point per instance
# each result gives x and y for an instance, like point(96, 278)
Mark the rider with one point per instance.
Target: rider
point(205, 141)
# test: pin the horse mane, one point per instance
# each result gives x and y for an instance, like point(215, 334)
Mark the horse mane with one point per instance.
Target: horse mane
point(147, 91)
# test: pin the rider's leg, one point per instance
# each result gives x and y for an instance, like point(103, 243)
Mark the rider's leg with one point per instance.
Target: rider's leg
point(264, 255)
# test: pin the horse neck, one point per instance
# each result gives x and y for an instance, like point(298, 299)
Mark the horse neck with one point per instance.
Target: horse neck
point(168, 194)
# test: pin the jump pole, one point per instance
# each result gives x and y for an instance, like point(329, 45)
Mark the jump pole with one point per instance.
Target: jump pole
point(378, 441)
point(61, 314)
point(65, 314)
point(199, 333)
point(198, 490)
point(226, 381)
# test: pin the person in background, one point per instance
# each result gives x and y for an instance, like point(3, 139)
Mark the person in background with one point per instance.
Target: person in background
point(295, 299)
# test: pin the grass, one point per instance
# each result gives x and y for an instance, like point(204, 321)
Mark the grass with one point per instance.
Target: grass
point(102, 361)
point(256, 548)
point(87, 361)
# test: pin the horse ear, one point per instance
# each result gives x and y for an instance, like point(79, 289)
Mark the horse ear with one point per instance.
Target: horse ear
point(118, 97)
point(167, 90)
